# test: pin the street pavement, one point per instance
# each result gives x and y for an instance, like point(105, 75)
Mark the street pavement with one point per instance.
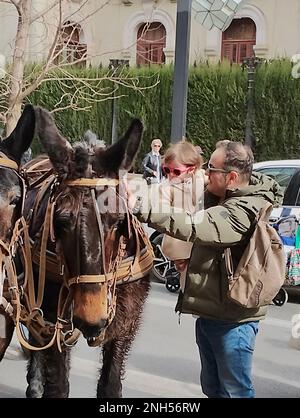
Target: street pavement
point(164, 361)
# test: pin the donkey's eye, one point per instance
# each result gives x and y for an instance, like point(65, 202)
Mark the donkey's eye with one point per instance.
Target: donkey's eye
point(63, 222)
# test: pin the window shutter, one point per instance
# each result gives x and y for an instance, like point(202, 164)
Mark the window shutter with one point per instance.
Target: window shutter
point(227, 51)
point(238, 40)
point(151, 40)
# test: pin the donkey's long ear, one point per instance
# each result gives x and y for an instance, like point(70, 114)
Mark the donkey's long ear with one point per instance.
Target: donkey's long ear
point(132, 140)
point(56, 146)
point(21, 137)
point(120, 156)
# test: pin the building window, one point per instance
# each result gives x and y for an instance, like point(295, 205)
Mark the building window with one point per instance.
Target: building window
point(70, 49)
point(238, 40)
point(151, 41)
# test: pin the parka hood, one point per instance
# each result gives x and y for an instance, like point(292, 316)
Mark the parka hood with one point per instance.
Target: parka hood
point(263, 186)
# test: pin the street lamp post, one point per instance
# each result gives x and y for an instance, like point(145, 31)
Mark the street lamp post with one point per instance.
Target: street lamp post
point(181, 70)
point(250, 64)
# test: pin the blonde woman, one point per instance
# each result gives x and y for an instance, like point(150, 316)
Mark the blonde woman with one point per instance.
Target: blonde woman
point(152, 163)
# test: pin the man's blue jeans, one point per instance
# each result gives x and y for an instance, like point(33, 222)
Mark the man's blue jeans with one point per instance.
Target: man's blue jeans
point(226, 353)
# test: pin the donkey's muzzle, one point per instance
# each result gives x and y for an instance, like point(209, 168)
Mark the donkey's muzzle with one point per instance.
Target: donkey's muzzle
point(90, 331)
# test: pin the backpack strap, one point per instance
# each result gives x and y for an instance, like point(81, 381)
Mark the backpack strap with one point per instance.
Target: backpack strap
point(265, 212)
point(228, 263)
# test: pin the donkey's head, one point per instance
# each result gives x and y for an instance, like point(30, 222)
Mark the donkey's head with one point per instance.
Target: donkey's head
point(89, 215)
point(11, 185)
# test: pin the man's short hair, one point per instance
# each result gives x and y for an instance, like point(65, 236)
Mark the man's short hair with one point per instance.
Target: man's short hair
point(238, 157)
point(222, 143)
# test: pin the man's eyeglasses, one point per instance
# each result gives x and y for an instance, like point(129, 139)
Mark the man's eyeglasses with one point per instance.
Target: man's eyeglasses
point(176, 171)
point(210, 167)
point(156, 146)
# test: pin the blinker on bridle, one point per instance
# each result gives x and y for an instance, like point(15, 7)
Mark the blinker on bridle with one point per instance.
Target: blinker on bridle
point(6, 162)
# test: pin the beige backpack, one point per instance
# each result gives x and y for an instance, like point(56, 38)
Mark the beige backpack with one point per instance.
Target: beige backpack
point(261, 269)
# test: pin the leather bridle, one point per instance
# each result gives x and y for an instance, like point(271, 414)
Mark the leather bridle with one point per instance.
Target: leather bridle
point(8, 249)
point(47, 232)
point(120, 270)
point(92, 184)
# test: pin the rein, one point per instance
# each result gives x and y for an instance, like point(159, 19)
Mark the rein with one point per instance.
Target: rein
point(10, 289)
point(18, 300)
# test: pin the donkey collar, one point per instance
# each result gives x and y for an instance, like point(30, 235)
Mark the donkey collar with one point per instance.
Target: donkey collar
point(92, 182)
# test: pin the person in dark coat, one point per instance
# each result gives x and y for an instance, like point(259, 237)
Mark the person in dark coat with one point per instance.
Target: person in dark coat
point(152, 170)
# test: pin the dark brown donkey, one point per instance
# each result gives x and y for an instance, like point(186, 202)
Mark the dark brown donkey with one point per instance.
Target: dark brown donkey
point(82, 235)
point(12, 194)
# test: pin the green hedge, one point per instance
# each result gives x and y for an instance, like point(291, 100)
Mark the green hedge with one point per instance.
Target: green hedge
point(216, 104)
point(216, 107)
point(277, 124)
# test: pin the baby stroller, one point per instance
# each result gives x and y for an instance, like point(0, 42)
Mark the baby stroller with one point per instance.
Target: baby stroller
point(164, 269)
point(172, 279)
point(281, 298)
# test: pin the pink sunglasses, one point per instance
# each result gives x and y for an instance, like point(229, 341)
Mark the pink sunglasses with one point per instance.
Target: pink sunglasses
point(175, 171)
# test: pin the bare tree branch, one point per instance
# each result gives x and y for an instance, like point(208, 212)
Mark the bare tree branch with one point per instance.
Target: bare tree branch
point(64, 52)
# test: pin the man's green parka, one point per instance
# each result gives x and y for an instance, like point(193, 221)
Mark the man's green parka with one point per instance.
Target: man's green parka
point(228, 224)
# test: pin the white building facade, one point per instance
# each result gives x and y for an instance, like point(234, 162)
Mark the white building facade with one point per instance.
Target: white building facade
point(143, 31)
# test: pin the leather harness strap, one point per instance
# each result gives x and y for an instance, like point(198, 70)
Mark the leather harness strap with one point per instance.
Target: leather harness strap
point(92, 182)
point(28, 311)
point(7, 162)
point(90, 278)
point(44, 242)
point(25, 312)
point(100, 228)
point(4, 246)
